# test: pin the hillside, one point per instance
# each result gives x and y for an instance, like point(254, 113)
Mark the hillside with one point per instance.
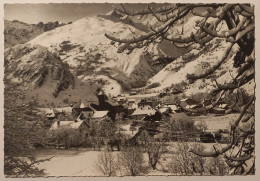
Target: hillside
point(94, 60)
point(196, 61)
point(16, 32)
point(91, 56)
point(42, 74)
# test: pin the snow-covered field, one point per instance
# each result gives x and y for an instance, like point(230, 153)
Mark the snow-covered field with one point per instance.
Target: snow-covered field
point(214, 122)
point(83, 162)
point(69, 162)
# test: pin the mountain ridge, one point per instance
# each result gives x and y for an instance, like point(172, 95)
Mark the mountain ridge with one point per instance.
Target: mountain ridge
point(17, 32)
point(93, 60)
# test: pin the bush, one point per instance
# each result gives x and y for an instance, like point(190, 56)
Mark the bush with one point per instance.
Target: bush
point(106, 163)
point(132, 160)
point(138, 84)
point(153, 85)
point(180, 86)
point(187, 163)
point(66, 101)
point(178, 124)
point(67, 137)
point(199, 96)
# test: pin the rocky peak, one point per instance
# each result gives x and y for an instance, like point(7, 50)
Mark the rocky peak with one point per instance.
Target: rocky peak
point(36, 67)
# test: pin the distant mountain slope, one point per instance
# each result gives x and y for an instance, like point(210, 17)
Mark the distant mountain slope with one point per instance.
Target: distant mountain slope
point(90, 54)
point(42, 74)
point(16, 32)
point(34, 66)
point(176, 74)
point(198, 60)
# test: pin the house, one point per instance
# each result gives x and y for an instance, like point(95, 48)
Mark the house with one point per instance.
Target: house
point(157, 116)
point(81, 106)
point(108, 104)
point(145, 107)
point(133, 93)
point(145, 102)
point(164, 110)
point(130, 108)
point(139, 114)
point(52, 113)
point(81, 128)
point(148, 102)
point(84, 115)
point(219, 109)
point(121, 100)
point(175, 91)
point(189, 103)
point(99, 116)
point(148, 129)
point(131, 102)
point(64, 109)
point(173, 107)
point(223, 106)
point(207, 102)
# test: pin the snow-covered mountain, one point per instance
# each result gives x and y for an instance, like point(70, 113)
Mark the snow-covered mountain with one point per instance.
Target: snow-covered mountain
point(42, 75)
point(90, 54)
point(197, 61)
point(16, 32)
point(92, 60)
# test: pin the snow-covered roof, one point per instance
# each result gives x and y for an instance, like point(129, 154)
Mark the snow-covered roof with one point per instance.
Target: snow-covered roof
point(82, 105)
point(51, 113)
point(112, 103)
point(99, 114)
point(185, 99)
point(222, 105)
point(64, 109)
point(144, 112)
point(85, 113)
point(163, 109)
point(146, 107)
point(76, 125)
point(121, 98)
point(173, 107)
point(191, 106)
point(101, 93)
point(133, 106)
point(66, 124)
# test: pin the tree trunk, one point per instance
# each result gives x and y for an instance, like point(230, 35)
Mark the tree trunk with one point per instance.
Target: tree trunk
point(154, 165)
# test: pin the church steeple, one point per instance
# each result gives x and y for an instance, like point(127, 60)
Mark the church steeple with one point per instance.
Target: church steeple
point(101, 98)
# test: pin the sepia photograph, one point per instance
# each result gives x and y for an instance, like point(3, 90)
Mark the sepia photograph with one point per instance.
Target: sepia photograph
point(129, 89)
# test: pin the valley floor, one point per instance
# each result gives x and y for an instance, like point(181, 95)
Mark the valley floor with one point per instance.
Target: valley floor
point(67, 163)
point(82, 161)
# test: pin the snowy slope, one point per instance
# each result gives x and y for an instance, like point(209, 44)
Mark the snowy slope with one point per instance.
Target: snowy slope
point(84, 47)
point(89, 34)
point(197, 62)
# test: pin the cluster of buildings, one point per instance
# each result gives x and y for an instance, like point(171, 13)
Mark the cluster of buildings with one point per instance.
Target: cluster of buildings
point(143, 109)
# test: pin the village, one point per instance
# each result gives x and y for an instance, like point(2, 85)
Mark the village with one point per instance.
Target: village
point(120, 119)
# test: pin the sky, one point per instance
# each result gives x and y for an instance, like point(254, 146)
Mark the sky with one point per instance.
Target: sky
point(35, 13)
point(62, 12)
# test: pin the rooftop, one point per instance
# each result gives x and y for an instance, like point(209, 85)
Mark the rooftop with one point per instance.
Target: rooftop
point(99, 114)
point(66, 124)
point(144, 111)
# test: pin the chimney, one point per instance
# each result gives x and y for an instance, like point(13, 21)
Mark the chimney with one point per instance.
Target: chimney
point(58, 123)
